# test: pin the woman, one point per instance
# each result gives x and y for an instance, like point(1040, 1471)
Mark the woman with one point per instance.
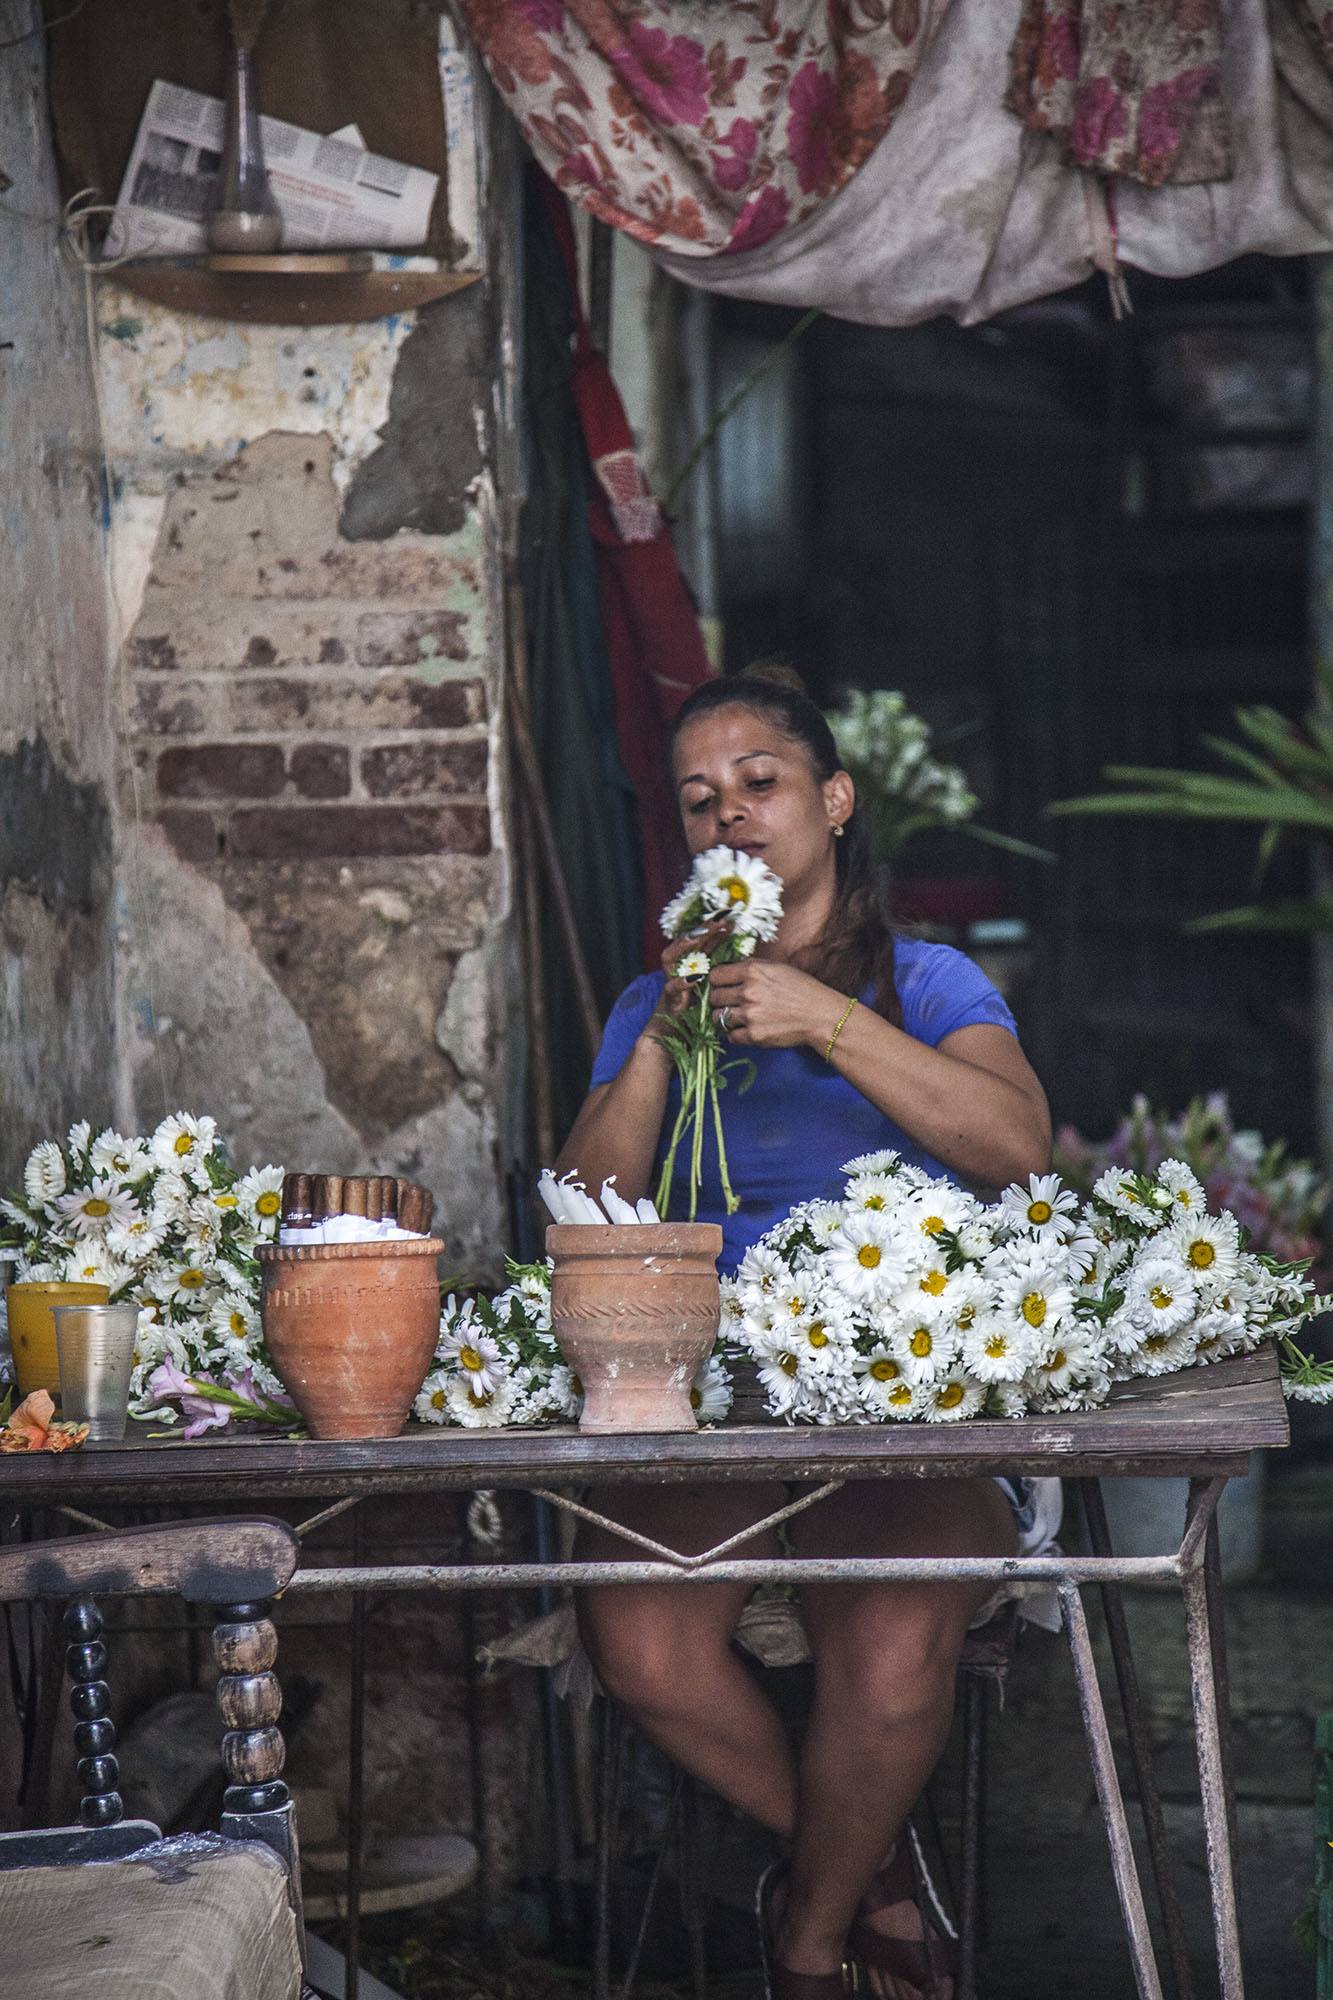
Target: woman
point(859, 1041)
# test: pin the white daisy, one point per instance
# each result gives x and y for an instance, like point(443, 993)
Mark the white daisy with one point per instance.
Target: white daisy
point(693, 965)
point(952, 1397)
point(474, 1407)
point(91, 1263)
point(932, 1210)
point(475, 1354)
point(182, 1142)
point(1184, 1187)
point(1126, 1193)
point(260, 1193)
point(1063, 1361)
point(79, 1140)
point(1006, 1399)
point(1208, 1245)
point(188, 1283)
point(866, 1259)
point(710, 1392)
point(886, 1161)
point(925, 1350)
point(44, 1174)
point(998, 1350)
point(431, 1404)
point(565, 1392)
point(883, 1388)
point(1083, 1255)
point(95, 1210)
point(138, 1239)
point(733, 1308)
point(1162, 1353)
point(1033, 1287)
point(779, 1371)
point(171, 1198)
point(233, 1317)
point(125, 1160)
point(1044, 1208)
point(875, 1192)
point(683, 912)
point(760, 1272)
point(741, 888)
point(1161, 1294)
point(931, 1290)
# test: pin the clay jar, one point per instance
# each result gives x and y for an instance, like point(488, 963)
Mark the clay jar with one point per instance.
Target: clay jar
point(352, 1329)
point(635, 1308)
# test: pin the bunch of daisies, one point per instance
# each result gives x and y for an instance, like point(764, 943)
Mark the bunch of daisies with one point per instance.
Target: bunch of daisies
point(741, 891)
point(909, 1298)
point(168, 1222)
point(497, 1363)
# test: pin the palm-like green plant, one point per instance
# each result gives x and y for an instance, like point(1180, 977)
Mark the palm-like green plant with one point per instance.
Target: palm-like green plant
point(1285, 790)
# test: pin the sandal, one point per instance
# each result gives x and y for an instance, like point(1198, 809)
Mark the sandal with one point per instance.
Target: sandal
point(780, 1982)
point(921, 1963)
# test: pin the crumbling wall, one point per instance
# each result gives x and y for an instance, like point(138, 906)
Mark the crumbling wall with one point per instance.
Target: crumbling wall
point(56, 1011)
point(305, 561)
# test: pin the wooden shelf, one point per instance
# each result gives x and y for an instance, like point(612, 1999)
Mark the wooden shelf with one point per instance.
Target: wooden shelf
point(285, 291)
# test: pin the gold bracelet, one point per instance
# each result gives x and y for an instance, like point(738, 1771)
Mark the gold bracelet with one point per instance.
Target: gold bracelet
point(846, 1016)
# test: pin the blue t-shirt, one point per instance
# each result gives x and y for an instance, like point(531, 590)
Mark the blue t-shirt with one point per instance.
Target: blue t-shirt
point(789, 1132)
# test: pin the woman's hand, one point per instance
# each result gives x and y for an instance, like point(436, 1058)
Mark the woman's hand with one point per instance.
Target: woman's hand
point(771, 1006)
point(676, 993)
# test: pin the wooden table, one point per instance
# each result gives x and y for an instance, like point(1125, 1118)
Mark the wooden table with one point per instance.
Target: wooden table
point(1202, 1425)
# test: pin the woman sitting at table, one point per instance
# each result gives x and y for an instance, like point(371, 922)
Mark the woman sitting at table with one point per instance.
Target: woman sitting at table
point(860, 1040)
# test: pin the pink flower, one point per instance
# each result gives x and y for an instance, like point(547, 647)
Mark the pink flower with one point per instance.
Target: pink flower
point(1166, 110)
point(761, 218)
point(546, 16)
point(740, 143)
point(1099, 121)
point(169, 1383)
point(667, 73)
point(811, 99)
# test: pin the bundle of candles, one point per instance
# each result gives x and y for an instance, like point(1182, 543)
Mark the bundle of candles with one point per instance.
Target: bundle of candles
point(569, 1201)
point(346, 1208)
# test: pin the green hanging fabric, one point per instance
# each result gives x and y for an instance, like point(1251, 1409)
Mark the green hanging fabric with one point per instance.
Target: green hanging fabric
point(592, 801)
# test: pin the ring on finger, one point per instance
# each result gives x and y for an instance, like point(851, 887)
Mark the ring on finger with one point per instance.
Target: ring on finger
point(724, 1020)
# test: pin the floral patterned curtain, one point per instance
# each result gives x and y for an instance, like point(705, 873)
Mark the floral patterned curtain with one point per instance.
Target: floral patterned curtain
point(703, 128)
point(700, 127)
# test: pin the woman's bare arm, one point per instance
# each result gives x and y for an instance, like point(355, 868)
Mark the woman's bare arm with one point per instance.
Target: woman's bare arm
point(617, 1130)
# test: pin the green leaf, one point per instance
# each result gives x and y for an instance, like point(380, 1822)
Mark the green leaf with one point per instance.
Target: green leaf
point(1307, 915)
point(1008, 841)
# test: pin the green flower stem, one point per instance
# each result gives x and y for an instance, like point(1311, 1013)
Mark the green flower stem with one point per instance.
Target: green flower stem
point(732, 1204)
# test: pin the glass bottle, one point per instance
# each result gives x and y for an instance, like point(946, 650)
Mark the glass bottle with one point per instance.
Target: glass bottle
point(246, 217)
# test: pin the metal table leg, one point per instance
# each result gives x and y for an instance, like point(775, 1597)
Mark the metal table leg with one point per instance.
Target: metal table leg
point(1128, 1888)
point(1201, 1585)
point(356, 1771)
point(1150, 1801)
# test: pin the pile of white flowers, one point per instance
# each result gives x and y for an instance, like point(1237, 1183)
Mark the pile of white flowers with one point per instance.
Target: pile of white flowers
point(166, 1221)
point(497, 1363)
point(911, 1299)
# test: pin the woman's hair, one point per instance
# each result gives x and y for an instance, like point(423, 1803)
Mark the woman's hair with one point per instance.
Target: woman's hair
point(856, 949)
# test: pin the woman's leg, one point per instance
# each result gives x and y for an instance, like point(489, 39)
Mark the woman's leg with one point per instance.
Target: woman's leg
point(664, 1650)
point(886, 1660)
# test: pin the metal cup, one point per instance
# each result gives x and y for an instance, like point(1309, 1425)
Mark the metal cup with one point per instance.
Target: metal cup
point(96, 1349)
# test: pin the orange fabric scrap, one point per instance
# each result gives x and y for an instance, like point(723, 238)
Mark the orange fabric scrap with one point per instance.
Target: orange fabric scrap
point(32, 1427)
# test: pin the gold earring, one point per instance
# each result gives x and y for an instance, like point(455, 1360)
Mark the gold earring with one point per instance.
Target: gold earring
point(837, 831)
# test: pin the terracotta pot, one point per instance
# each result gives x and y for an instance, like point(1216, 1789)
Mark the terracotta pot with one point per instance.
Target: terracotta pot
point(635, 1308)
point(352, 1329)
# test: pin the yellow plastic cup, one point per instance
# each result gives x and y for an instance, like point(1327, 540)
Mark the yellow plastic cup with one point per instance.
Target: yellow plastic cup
point(32, 1327)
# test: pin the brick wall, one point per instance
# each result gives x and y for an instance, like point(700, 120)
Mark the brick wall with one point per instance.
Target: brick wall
point(295, 696)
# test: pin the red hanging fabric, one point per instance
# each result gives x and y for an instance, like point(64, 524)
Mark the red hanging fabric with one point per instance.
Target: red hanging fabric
point(652, 630)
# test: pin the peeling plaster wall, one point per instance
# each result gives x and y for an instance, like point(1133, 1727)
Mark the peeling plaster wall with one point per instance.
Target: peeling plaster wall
point(56, 1007)
point(305, 571)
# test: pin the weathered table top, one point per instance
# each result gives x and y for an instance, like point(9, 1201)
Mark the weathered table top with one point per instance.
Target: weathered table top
point(1203, 1422)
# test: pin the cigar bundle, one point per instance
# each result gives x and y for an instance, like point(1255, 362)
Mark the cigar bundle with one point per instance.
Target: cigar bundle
point(353, 1208)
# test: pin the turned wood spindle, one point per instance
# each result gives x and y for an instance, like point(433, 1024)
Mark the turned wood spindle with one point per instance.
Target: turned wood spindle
point(90, 1702)
point(245, 1646)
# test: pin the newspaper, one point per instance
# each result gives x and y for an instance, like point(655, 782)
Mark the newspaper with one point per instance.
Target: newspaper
point(332, 193)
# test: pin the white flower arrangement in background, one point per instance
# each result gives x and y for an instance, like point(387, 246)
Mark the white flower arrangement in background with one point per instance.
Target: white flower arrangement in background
point(902, 787)
point(497, 1363)
point(911, 1299)
point(740, 891)
point(166, 1221)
